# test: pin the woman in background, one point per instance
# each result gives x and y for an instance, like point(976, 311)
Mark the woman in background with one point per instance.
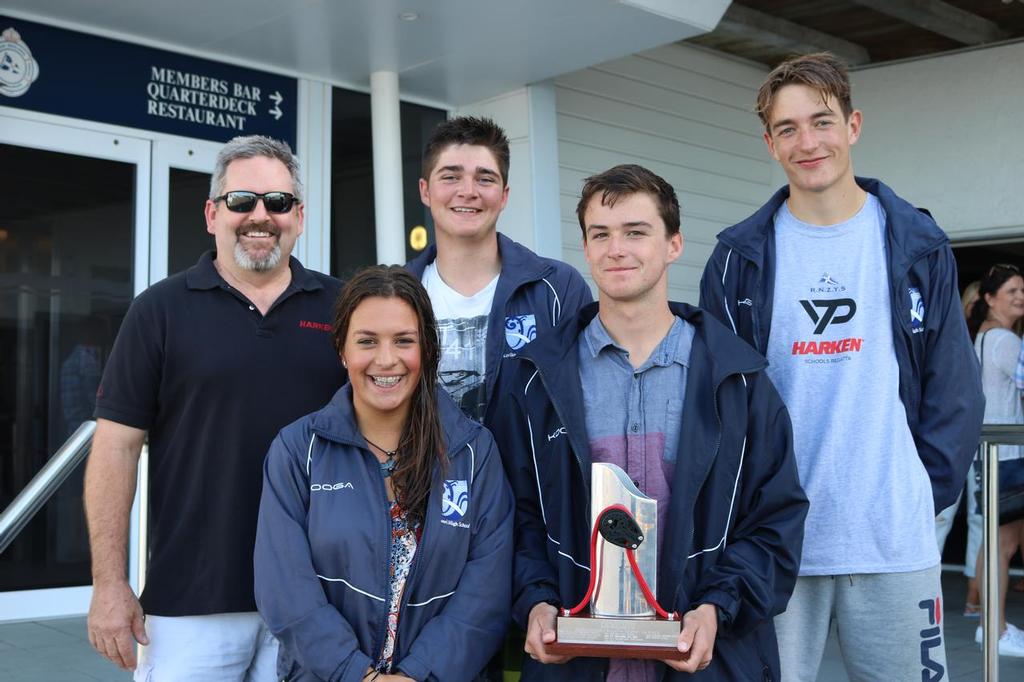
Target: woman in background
point(999, 307)
point(384, 545)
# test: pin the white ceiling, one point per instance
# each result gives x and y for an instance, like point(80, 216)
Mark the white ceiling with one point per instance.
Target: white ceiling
point(455, 52)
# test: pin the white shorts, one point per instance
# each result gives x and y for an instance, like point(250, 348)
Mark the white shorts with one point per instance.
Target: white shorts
point(221, 647)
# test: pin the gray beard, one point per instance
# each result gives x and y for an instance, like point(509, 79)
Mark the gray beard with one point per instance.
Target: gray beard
point(247, 262)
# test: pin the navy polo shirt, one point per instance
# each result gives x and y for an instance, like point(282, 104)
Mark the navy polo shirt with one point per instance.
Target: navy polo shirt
point(212, 380)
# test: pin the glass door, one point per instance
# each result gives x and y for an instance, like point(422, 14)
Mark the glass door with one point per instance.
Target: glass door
point(181, 185)
point(74, 250)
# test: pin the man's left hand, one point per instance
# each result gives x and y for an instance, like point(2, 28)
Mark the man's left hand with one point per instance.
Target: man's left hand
point(700, 627)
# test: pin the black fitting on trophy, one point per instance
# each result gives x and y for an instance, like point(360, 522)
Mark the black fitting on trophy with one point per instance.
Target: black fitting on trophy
point(619, 528)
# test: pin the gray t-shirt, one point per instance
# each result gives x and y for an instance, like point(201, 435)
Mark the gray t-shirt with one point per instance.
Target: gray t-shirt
point(831, 356)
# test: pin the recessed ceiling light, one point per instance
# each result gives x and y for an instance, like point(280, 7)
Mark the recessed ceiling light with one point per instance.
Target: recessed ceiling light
point(408, 16)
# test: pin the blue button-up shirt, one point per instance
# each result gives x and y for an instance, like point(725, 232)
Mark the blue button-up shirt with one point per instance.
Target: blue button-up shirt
point(633, 420)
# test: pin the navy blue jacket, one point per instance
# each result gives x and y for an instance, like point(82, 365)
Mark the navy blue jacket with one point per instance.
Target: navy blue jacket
point(324, 540)
point(736, 514)
point(940, 383)
point(532, 295)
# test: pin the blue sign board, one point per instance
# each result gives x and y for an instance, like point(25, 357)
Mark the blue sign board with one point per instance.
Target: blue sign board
point(56, 71)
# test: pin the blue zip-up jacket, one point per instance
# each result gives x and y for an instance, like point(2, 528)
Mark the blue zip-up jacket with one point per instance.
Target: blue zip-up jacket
point(940, 383)
point(323, 547)
point(530, 288)
point(736, 514)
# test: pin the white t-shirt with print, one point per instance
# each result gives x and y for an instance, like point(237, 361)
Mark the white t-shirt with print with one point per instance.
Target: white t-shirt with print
point(462, 331)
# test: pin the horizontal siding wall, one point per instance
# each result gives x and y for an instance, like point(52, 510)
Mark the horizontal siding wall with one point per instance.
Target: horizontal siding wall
point(686, 114)
point(945, 133)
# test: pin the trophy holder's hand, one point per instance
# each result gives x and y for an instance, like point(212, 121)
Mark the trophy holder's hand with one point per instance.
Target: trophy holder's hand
point(540, 630)
point(700, 627)
point(116, 622)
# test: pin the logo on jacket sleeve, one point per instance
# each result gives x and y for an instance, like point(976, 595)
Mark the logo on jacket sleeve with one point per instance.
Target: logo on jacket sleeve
point(916, 311)
point(455, 501)
point(520, 330)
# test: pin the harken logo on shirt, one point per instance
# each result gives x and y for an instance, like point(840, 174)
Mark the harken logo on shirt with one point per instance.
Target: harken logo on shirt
point(520, 330)
point(309, 324)
point(455, 502)
point(916, 311)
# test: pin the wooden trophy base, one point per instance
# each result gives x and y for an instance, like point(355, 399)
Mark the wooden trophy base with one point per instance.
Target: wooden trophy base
point(586, 635)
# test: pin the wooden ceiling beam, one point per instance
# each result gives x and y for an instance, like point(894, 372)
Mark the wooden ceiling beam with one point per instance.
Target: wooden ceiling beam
point(763, 28)
point(941, 18)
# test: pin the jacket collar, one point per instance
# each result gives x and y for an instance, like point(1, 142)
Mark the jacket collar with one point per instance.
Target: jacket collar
point(336, 421)
point(203, 275)
point(554, 352)
point(557, 359)
point(750, 236)
point(518, 263)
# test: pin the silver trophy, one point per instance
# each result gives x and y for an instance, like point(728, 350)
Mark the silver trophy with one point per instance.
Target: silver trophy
point(625, 620)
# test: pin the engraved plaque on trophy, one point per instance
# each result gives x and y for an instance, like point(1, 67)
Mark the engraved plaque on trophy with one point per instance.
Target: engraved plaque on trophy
point(625, 620)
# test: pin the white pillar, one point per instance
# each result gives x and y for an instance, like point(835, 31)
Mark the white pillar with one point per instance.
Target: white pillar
point(387, 167)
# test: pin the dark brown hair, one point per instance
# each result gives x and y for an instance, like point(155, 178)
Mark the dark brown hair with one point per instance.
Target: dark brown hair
point(994, 279)
point(482, 132)
point(421, 445)
point(626, 180)
point(822, 71)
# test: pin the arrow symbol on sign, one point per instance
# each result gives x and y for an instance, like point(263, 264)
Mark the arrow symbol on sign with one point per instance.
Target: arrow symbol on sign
point(276, 111)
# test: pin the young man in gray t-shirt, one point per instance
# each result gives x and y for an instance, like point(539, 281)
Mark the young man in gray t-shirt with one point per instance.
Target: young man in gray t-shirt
point(851, 293)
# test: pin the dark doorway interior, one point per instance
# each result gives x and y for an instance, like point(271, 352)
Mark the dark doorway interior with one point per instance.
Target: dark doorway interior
point(973, 259)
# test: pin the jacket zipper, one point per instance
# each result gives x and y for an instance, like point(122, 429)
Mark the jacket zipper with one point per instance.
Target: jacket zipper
point(383, 631)
point(406, 589)
point(421, 548)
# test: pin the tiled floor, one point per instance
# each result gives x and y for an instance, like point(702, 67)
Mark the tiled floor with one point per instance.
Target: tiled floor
point(59, 651)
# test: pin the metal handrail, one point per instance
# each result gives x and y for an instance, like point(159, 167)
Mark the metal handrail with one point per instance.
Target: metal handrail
point(992, 436)
point(45, 483)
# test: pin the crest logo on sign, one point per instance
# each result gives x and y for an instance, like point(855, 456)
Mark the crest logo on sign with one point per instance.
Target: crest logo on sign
point(18, 69)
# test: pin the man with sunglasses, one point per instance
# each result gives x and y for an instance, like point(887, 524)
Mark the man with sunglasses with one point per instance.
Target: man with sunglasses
point(209, 364)
point(851, 294)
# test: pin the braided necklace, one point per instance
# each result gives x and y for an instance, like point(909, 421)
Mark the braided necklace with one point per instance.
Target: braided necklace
point(388, 465)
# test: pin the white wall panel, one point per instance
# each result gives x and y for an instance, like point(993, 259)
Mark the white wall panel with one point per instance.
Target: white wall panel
point(686, 114)
point(945, 133)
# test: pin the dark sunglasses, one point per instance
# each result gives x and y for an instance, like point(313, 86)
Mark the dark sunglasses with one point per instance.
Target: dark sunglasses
point(1002, 266)
point(242, 201)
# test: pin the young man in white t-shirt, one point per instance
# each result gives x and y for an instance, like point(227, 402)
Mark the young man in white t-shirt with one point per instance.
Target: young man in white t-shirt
point(491, 295)
point(851, 293)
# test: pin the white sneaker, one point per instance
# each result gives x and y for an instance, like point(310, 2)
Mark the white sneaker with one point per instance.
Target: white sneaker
point(1011, 643)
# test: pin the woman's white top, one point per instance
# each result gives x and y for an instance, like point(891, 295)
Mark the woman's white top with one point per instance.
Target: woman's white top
point(1002, 398)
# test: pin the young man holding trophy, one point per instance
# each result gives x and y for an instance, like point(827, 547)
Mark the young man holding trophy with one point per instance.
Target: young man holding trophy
point(684, 411)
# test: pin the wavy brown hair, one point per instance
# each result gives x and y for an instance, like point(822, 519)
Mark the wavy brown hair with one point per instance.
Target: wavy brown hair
point(421, 445)
point(821, 71)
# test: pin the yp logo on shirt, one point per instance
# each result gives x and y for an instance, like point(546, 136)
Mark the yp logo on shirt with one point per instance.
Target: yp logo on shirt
point(824, 312)
point(520, 330)
point(455, 503)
